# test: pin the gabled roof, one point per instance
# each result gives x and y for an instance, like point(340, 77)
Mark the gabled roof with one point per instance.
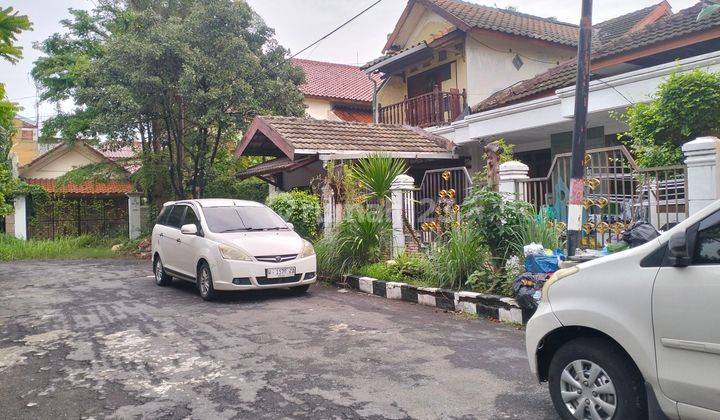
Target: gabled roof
point(304, 136)
point(466, 16)
point(61, 148)
point(669, 32)
point(335, 81)
point(611, 29)
point(281, 164)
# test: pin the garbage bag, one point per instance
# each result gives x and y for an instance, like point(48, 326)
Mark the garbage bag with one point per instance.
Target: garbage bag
point(527, 288)
point(541, 263)
point(639, 234)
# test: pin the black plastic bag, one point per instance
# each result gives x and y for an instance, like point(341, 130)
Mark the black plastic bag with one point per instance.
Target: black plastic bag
point(640, 233)
point(526, 289)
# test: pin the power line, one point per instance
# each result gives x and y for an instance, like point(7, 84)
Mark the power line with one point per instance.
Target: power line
point(336, 29)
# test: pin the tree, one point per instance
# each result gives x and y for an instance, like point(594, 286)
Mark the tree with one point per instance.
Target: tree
point(186, 77)
point(685, 106)
point(11, 24)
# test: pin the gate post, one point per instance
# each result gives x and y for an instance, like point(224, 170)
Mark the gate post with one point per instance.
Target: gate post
point(703, 178)
point(401, 199)
point(328, 203)
point(134, 215)
point(510, 172)
point(20, 216)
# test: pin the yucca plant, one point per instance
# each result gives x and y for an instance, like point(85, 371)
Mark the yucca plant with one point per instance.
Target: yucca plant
point(364, 235)
point(376, 174)
point(463, 252)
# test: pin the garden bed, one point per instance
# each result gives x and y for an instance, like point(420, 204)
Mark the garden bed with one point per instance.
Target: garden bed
point(489, 306)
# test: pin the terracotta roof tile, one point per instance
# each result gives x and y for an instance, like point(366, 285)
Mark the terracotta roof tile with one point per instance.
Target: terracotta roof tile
point(336, 81)
point(321, 135)
point(85, 188)
point(611, 29)
point(510, 22)
point(354, 115)
point(682, 23)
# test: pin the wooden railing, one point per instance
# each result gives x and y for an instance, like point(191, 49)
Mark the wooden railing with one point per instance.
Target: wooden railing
point(428, 110)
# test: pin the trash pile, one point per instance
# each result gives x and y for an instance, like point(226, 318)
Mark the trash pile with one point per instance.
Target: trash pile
point(540, 264)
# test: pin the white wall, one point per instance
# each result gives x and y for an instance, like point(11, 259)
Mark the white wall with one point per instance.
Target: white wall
point(63, 163)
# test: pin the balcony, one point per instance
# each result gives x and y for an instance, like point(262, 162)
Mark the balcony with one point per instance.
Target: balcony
point(428, 110)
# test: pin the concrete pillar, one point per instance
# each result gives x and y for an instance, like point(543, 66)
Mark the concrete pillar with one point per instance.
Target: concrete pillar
point(328, 203)
point(20, 216)
point(510, 172)
point(701, 158)
point(401, 198)
point(134, 215)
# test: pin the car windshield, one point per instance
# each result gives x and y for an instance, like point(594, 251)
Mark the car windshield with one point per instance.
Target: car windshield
point(236, 219)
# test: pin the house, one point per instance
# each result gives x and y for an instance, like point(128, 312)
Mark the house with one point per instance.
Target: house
point(336, 92)
point(91, 207)
point(536, 114)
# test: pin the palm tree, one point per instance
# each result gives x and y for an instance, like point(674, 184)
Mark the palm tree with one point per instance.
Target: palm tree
point(376, 174)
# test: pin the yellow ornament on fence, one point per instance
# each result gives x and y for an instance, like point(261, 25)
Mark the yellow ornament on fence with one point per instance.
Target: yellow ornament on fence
point(592, 183)
point(618, 227)
point(446, 175)
point(443, 194)
point(602, 227)
point(451, 193)
point(587, 160)
point(456, 208)
point(588, 227)
point(587, 203)
point(602, 202)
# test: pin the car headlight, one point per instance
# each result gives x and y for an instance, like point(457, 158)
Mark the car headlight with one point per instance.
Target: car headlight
point(559, 275)
point(232, 253)
point(307, 250)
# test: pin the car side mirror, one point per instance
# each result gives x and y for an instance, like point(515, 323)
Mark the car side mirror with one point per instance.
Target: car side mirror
point(290, 226)
point(189, 229)
point(678, 254)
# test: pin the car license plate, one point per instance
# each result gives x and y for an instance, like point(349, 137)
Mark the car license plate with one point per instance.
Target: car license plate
point(274, 273)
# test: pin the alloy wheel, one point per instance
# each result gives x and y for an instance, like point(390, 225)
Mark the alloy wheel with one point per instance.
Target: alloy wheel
point(204, 281)
point(587, 391)
point(158, 271)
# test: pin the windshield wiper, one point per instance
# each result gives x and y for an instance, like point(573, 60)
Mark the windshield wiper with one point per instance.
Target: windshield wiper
point(236, 230)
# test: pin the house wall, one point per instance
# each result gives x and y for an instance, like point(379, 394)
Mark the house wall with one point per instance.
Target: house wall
point(319, 109)
point(490, 63)
point(63, 163)
point(24, 143)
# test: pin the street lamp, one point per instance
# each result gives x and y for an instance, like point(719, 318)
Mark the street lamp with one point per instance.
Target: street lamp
point(709, 7)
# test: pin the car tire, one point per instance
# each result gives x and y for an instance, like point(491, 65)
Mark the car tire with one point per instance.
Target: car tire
point(615, 391)
point(205, 283)
point(162, 278)
point(300, 290)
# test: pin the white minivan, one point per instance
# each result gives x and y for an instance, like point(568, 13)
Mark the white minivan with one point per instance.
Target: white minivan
point(637, 333)
point(223, 244)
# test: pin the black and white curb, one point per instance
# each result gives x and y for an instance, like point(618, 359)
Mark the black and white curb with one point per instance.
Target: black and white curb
point(490, 306)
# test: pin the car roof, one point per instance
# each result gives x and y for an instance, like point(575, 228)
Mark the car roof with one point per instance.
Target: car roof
point(217, 202)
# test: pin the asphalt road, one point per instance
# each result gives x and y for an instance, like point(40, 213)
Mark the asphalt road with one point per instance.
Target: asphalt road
point(99, 339)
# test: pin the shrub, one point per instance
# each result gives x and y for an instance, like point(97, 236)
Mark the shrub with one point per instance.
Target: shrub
point(462, 254)
point(497, 220)
point(364, 235)
point(329, 258)
point(85, 246)
point(491, 279)
point(300, 208)
point(376, 174)
point(685, 106)
point(535, 230)
point(405, 268)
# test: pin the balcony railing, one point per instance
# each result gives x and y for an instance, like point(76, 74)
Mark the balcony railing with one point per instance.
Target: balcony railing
point(428, 110)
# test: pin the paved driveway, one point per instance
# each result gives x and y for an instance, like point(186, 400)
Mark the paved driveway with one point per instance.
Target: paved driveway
point(98, 339)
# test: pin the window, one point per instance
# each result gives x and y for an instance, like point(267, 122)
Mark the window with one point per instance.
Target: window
point(235, 219)
point(162, 217)
point(175, 216)
point(191, 218)
point(27, 135)
point(707, 244)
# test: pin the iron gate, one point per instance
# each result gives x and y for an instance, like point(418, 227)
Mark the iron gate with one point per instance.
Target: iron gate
point(439, 197)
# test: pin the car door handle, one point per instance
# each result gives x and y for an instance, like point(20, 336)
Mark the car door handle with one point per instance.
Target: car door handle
point(177, 240)
point(162, 235)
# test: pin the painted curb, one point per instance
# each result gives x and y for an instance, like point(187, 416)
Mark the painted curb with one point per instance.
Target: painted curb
point(499, 308)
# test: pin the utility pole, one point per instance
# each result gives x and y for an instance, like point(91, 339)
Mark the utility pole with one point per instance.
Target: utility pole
point(582, 87)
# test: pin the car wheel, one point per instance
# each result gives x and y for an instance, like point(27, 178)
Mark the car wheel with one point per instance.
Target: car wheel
point(592, 378)
point(204, 282)
point(300, 290)
point(161, 277)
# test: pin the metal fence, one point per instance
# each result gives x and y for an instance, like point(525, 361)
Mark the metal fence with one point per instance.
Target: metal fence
point(438, 200)
point(617, 194)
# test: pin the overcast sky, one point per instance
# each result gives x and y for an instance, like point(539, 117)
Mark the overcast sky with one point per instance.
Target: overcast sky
point(297, 23)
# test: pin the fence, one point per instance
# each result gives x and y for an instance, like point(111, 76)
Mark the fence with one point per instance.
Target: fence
point(61, 216)
point(438, 200)
point(617, 194)
point(430, 109)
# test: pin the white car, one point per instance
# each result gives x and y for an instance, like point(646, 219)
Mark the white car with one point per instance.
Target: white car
point(222, 244)
point(635, 334)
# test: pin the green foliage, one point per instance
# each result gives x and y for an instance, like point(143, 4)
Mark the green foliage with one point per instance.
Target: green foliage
point(300, 208)
point(363, 235)
point(405, 268)
point(532, 230)
point(488, 278)
point(12, 249)
point(685, 106)
point(497, 220)
point(463, 252)
point(186, 76)
point(376, 174)
point(99, 172)
point(11, 25)
point(222, 182)
point(328, 256)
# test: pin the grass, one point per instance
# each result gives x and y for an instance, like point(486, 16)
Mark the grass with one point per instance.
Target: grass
point(13, 249)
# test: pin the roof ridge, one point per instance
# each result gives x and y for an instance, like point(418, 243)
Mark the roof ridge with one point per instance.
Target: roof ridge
point(518, 13)
point(307, 60)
